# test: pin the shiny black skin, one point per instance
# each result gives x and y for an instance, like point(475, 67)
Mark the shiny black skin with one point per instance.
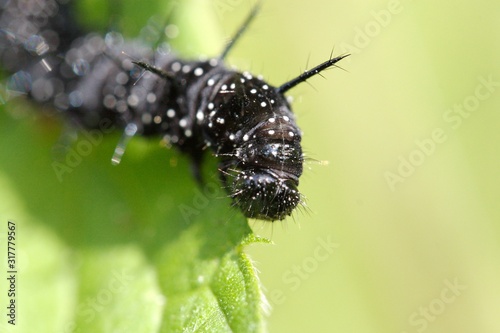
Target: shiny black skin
point(193, 105)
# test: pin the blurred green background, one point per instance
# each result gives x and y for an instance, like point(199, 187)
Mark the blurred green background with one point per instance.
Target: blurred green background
point(414, 64)
point(402, 230)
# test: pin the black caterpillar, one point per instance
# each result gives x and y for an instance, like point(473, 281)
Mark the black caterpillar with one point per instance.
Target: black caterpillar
point(246, 122)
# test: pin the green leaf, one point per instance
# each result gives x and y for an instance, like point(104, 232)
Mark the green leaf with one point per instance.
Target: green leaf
point(137, 247)
point(180, 269)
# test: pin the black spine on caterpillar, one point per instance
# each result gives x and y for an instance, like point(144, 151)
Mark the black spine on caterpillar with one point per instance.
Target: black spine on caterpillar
point(245, 121)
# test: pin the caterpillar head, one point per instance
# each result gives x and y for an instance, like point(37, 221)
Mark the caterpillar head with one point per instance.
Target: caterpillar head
point(271, 162)
point(263, 194)
point(252, 124)
point(268, 170)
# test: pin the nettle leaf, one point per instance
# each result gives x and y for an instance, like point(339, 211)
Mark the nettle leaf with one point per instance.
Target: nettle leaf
point(138, 247)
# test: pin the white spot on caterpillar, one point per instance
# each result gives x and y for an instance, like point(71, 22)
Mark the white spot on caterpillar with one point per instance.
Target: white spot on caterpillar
point(121, 78)
point(176, 66)
point(133, 100)
point(121, 106)
point(151, 98)
point(200, 115)
point(198, 71)
point(109, 101)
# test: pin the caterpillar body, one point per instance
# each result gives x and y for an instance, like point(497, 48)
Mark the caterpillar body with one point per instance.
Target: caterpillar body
point(192, 104)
